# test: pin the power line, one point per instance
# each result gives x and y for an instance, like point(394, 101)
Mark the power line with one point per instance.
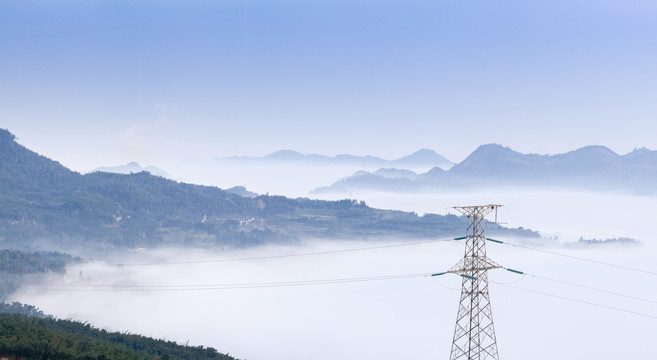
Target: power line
point(99, 287)
point(231, 286)
point(313, 282)
point(578, 301)
point(591, 288)
point(328, 252)
point(558, 281)
point(226, 286)
point(574, 257)
point(298, 283)
point(272, 256)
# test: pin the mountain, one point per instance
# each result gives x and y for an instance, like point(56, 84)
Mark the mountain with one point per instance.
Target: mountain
point(595, 168)
point(133, 167)
point(423, 158)
point(368, 181)
point(43, 205)
point(242, 191)
point(392, 173)
point(285, 155)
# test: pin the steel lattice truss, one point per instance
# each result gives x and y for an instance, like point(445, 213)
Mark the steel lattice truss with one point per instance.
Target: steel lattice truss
point(474, 336)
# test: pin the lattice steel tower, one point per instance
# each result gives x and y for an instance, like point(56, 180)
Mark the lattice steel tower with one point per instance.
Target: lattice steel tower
point(474, 336)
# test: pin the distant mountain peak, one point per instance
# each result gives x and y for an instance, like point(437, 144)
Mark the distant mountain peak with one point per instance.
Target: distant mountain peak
point(594, 168)
point(133, 167)
point(590, 153)
point(424, 152)
point(594, 149)
point(423, 158)
point(493, 147)
point(489, 153)
point(41, 199)
point(285, 154)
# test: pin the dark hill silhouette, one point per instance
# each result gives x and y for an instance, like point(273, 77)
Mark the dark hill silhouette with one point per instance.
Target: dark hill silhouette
point(44, 204)
point(44, 337)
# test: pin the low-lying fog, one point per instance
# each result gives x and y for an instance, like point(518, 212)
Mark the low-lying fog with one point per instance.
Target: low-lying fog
point(390, 319)
point(292, 180)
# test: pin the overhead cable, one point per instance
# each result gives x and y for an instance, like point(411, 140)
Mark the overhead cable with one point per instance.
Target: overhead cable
point(577, 300)
point(327, 252)
point(582, 286)
point(206, 287)
point(574, 257)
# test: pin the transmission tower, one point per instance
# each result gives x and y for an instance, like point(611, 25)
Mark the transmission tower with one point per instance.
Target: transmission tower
point(474, 336)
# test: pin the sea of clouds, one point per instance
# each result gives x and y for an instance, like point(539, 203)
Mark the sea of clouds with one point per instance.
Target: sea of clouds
point(389, 319)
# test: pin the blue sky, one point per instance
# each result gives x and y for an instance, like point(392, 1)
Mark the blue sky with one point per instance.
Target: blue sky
point(94, 83)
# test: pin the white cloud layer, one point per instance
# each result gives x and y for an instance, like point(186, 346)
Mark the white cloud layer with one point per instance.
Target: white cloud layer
point(406, 318)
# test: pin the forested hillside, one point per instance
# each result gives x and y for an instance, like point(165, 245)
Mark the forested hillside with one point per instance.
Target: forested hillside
point(27, 337)
point(17, 266)
point(42, 200)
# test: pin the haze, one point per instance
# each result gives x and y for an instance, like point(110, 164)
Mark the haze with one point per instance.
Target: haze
point(393, 318)
point(110, 82)
point(177, 84)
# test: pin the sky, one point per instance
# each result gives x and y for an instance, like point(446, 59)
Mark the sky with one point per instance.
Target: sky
point(101, 83)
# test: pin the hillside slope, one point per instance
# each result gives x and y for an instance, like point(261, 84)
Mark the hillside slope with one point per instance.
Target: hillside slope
point(43, 204)
point(30, 337)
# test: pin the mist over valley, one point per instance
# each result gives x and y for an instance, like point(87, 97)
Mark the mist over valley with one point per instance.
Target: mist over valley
point(297, 291)
point(295, 306)
point(328, 180)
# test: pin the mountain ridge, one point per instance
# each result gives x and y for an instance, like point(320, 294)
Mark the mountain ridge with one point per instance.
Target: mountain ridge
point(420, 158)
point(593, 167)
point(44, 204)
point(134, 167)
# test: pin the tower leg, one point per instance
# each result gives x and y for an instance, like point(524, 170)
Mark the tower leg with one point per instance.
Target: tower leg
point(474, 336)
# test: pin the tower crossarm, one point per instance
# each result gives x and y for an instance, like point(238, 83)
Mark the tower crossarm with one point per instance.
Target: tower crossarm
point(478, 210)
point(472, 265)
